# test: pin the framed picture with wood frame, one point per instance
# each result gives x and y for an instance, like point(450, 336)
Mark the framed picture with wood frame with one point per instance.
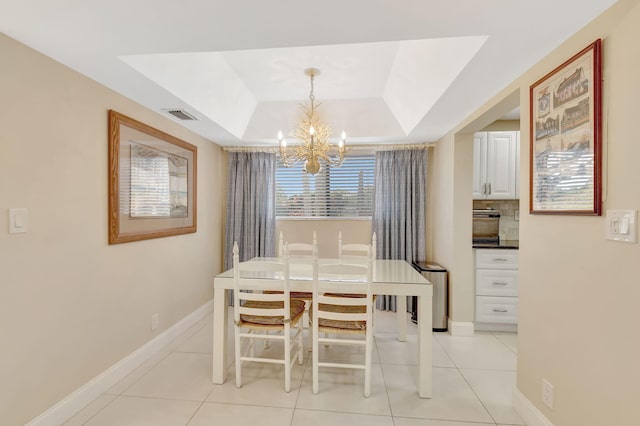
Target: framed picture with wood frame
point(566, 137)
point(152, 182)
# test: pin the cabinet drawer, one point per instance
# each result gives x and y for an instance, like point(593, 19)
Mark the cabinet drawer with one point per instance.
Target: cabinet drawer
point(496, 259)
point(492, 282)
point(497, 309)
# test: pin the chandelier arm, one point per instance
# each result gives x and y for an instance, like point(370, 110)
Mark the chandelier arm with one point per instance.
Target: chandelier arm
point(314, 146)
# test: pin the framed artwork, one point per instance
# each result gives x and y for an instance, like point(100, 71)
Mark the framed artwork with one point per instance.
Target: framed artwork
point(152, 182)
point(566, 137)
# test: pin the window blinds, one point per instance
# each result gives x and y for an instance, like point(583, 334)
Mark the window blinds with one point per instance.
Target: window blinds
point(345, 191)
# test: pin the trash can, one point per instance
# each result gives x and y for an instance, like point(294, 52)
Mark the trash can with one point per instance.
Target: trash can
point(437, 275)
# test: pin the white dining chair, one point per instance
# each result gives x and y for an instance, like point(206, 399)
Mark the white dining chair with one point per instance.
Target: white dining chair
point(258, 311)
point(339, 314)
point(355, 250)
point(307, 251)
point(298, 249)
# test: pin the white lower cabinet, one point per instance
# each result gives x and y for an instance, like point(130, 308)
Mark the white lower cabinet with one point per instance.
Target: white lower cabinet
point(499, 310)
point(496, 289)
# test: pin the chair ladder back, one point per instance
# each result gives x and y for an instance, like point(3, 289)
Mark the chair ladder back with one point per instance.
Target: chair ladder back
point(337, 315)
point(243, 286)
point(355, 249)
point(263, 311)
point(321, 281)
point(304, 249)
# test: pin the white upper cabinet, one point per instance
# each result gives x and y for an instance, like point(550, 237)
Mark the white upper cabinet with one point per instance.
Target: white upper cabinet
point(479, 164)
point(495, 160)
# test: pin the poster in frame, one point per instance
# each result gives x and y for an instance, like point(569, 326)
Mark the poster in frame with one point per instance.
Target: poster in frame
point(152, 182)
point(566, 137)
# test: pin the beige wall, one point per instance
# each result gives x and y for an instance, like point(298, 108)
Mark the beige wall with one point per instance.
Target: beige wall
point(579, 293)
point(301, 231)
point(502, 125)
point(70, 304)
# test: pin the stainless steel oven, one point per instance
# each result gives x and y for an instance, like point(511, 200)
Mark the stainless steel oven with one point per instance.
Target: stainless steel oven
point(486, 226)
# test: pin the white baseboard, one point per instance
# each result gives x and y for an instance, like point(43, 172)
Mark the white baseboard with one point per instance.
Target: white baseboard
point(460, 328)
point(78, 399)
point(484, 326)
point(529, 413)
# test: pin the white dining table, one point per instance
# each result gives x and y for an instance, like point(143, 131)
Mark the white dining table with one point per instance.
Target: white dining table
point(390, 277)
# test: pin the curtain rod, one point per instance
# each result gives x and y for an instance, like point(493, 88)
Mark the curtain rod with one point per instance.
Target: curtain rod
point(389, 147)
point(426, 145)
point(269, 149)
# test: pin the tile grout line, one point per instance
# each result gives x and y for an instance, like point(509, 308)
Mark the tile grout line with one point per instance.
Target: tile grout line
point(508, 347)
point(304, 369)
point(196, 328)
point(477, 396)
point(155, 364)
point(305, 366)
point(187, 332)
point(469, 384)
point(384, 381)
point(199, 407)
point(98, 412)
point(212, 389)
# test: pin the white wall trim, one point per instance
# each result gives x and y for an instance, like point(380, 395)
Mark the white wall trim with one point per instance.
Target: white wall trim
point(78, 399)
point(485, 326)
point(460, 328)
point(529, 413)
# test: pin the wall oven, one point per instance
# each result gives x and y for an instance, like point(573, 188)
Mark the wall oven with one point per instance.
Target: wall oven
point(486, 226)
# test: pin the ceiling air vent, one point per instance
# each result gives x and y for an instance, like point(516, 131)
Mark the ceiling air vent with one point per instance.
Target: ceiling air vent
point(181, 114)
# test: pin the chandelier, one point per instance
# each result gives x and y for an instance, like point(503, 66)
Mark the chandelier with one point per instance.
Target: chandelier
point(313, 136)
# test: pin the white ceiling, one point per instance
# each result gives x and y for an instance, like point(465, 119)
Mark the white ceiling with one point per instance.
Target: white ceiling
point(390, 71)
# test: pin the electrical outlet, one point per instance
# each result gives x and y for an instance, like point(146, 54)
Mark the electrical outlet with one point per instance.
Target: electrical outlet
point(154, 322)
point(547, 393)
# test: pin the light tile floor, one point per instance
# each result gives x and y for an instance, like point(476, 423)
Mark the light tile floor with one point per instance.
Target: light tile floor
point(473, 380)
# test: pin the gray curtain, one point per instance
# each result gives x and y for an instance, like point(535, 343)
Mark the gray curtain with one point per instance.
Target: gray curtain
point(399, 209)
point(251, 216)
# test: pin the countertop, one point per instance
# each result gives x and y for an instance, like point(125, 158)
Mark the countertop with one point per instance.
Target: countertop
point(503, 244)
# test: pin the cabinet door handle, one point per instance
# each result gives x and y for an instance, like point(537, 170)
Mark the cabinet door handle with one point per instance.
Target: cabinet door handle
point(500, 259)
point(500, 283)
point(489, 188)
point(502, 311)
point(484, 189)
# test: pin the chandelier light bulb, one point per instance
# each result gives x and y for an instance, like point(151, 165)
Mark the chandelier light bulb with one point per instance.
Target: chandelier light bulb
point(280, 135)
point(283, 143)
point(312, 131)
point(343, 136)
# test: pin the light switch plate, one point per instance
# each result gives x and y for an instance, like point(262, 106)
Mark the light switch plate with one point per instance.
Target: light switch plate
point(18, 221)
point(622, 225)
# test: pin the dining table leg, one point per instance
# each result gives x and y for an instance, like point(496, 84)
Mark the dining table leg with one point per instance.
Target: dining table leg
point(220, 327)
point(425, 342)
point(401, 316)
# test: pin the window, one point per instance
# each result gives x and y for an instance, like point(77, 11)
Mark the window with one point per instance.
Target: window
point(345, 191)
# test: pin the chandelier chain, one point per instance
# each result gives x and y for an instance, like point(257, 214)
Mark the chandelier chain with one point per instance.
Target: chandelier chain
point(312, 97)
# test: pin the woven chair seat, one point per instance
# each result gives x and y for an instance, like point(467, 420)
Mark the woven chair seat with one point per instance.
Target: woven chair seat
point(296, 310)
point(342, 325)
point(351, 295)
point(303, 295)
